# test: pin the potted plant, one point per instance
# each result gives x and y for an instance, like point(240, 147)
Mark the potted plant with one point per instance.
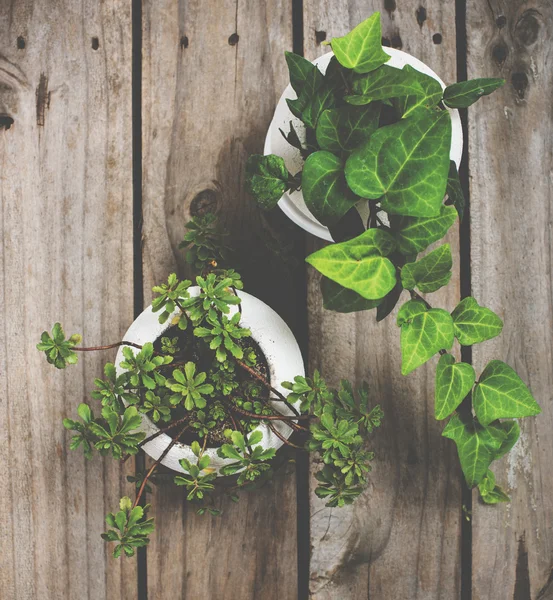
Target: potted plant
point(373, 148)
point(209, 381)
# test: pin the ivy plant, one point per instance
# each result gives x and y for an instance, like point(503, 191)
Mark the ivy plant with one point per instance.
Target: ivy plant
point(375, 135)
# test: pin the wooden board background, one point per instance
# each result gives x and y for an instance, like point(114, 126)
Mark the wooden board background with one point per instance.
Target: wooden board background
point(206, 78)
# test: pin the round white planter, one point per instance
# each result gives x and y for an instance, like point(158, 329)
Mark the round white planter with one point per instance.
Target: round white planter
point(277, 343)
point(293, 204)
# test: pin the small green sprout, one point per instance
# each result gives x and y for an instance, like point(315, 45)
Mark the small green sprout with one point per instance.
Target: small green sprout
point(58, 350)
point(189, 387)
point(130, 528)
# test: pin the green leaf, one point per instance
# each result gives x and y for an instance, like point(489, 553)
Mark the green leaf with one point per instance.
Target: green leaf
point(490, 492)
point(406, 164)
point(426, 334)
point(266, 179)
point(476, 445)
point(453, 382)
point(474, 323)
point(431, 96)
point(501, 394)
point(321, 100)
point(361, 48)
point(454, 190)
point(430, 273)
point(84, 412)
point(299, 69)
point(507, 434)
point(343, 129)
point(325, 191)
point(384, 83)
point(359, 264)
point(415, 234)
point(410, 310)
point(465, 93)
point(343, 300)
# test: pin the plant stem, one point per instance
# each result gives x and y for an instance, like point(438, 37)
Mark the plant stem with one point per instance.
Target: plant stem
point(108, 347)
point(154, 466)
point(157, 433)
point(282, 438)
point(262, 379)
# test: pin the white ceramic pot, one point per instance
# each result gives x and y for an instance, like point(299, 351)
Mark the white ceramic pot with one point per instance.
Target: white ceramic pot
point(275, 340)
point(293, 204)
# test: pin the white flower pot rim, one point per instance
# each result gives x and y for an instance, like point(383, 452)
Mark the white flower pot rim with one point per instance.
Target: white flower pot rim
point(276, 341)
point(292, 204)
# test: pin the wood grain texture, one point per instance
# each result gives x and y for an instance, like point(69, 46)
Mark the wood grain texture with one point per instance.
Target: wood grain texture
point(212, 72)
point(66, 212)
point(511, 166)
point(402, 538)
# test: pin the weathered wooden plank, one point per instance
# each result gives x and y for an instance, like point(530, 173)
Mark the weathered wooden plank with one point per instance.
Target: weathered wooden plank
point(402, 538)
point(511, 197)
point(66, 210)
point(212, 72)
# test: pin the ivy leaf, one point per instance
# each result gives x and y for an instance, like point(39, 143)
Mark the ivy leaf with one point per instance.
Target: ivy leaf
point(431, 95)
point(409, 311)
point(321, 100)
point(313, 81)
point(325, 191)
point(406, 164)
point(343, 129)
point(430, 273)
point(384, 83)
point(477, 446)
point(266, 179)
point(415, 234)
point(465, 93)
point(453, 382)
point(454, 190)
point(300, 70)
point(361, 48)
point(507, 433)
point(388, 303)
point(474, 323)
point(423, 336)
point(501, 394)
point(341, 299)
point(359, 264)
point(490, 492)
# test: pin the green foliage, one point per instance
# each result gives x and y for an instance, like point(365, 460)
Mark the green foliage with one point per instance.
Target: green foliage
point(333, 489)
point(58, 350)
point(431, 95)
point(454, 190)
point(361, 48)
point(222, 333)
point(359, 264)
point(250, 459)
point(300, 70)
point(474, 323)
point(423, 334)
point(113, 390)
point(216, 296)
point(344, 300)
point(478, 445)
point(405, 165)
point(169, 296)
point(267, 178)
point(114, 434)
point(199, 478)
point(188, 387)
point(204, 244)
point(343, 129)
point(143, 367)
point(429, 273)
point(156, 406)
point(501, 394)
point(465, 93)
point(490, 492)
point(129, 528)
point(383, 84)
point(453, 383)
point(415, 234)
point(169, 345)
point(84, 435)
point(324, 187)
